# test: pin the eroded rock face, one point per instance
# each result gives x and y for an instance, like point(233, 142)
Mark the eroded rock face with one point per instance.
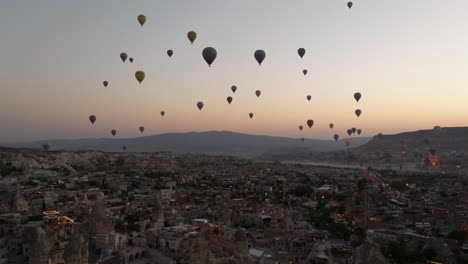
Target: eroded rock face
point(76, 250)
point(19, 203)
point(368, 253)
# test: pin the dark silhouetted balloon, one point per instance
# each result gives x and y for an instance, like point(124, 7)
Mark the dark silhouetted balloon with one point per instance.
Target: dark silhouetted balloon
point(209, 54)
point(349, 131)
point(192, 35)
point(163, 113)
point(229, 99)
point(142, 129)
point(258, 93)
point(46, 146)
point(124, 148)
point(353, 129)
point(233, 88)
point(260, 56)
point(140, 76)
point(358, 112)
point(310, 123)
point(350, 4)
point(437, 130)
point(304, 72)
point(331, 125)
point(123, 56)
point(131, 60)
point(92, 119)
point(169, 53)
point(336, 137)
point(105, 83)
point(301, 52)
point(200, 105)
point(359, 131)
point(113, 132)
point(251, 115)
point(357, 97)
point(309, 97)
point(302, 139)
point(141, 19)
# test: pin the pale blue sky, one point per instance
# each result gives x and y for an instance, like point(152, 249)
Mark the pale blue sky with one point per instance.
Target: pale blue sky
point(409, 59)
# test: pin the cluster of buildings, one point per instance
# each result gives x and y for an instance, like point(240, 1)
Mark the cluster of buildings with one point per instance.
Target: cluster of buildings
point(94, 207)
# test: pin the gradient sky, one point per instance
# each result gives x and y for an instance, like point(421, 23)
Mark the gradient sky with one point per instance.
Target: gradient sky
point(409, 59)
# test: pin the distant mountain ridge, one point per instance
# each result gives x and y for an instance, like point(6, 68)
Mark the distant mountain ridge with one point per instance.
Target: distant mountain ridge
point(210, 142)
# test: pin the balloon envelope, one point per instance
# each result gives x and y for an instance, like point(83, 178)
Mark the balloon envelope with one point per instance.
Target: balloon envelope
point(192, 35)
point(163, 113)
point(259, 56)
point(350, 4)
point(200, 105)
point(309, 97)
point(141, 19)
point(304, 72)
point(209, 54)
point(105, 83)
point(141, 129)
point(113, 132)
point(310, 123)
point(353, 129)
point(357, 96)
point(258, 93)
point(233, 88)
point(140, 76)
point(300, 128)
point(92, 119)
point(123, 56)
point(359, 131)
point(229, 99)
point(331, 125)
point(169, 53)
point(336, 137)
point(349, 131)
point(251, 115)
point(358, 112)
point(301, 52)
point(131, 60)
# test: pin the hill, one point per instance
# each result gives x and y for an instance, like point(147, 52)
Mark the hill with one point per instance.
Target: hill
point(211, 142)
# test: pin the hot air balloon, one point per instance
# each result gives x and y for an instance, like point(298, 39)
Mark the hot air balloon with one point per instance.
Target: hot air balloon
point(105, 83)
point(140, 76)
point(169, 53)
point(302, 139)
point(141, 129)
point(200, 105)
point(304, 72)
point(233, 88)
point(163, 113)
point(141, 19)
point(301, 52)
point(192, 35)
point(357, 97)
point(131, 60)
point(358, 112)
point(309, 97)
point(353, 130)
point(92, 119)
point(209, 54)
point(331, 125)
point(124, 148)
point(359, 131)
point(310, 123)
point(259, 56)
point(113, 132)
point(251, 115)
point(258, 93)
point(459, 162)
point(403, 150)
point(123, 56)
point(336, 137)
point(46, 146)
point(300, 128)
point(349, 131)
point(350, 4)
point(437, 130)
point(229, 99)
point(379, 135)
